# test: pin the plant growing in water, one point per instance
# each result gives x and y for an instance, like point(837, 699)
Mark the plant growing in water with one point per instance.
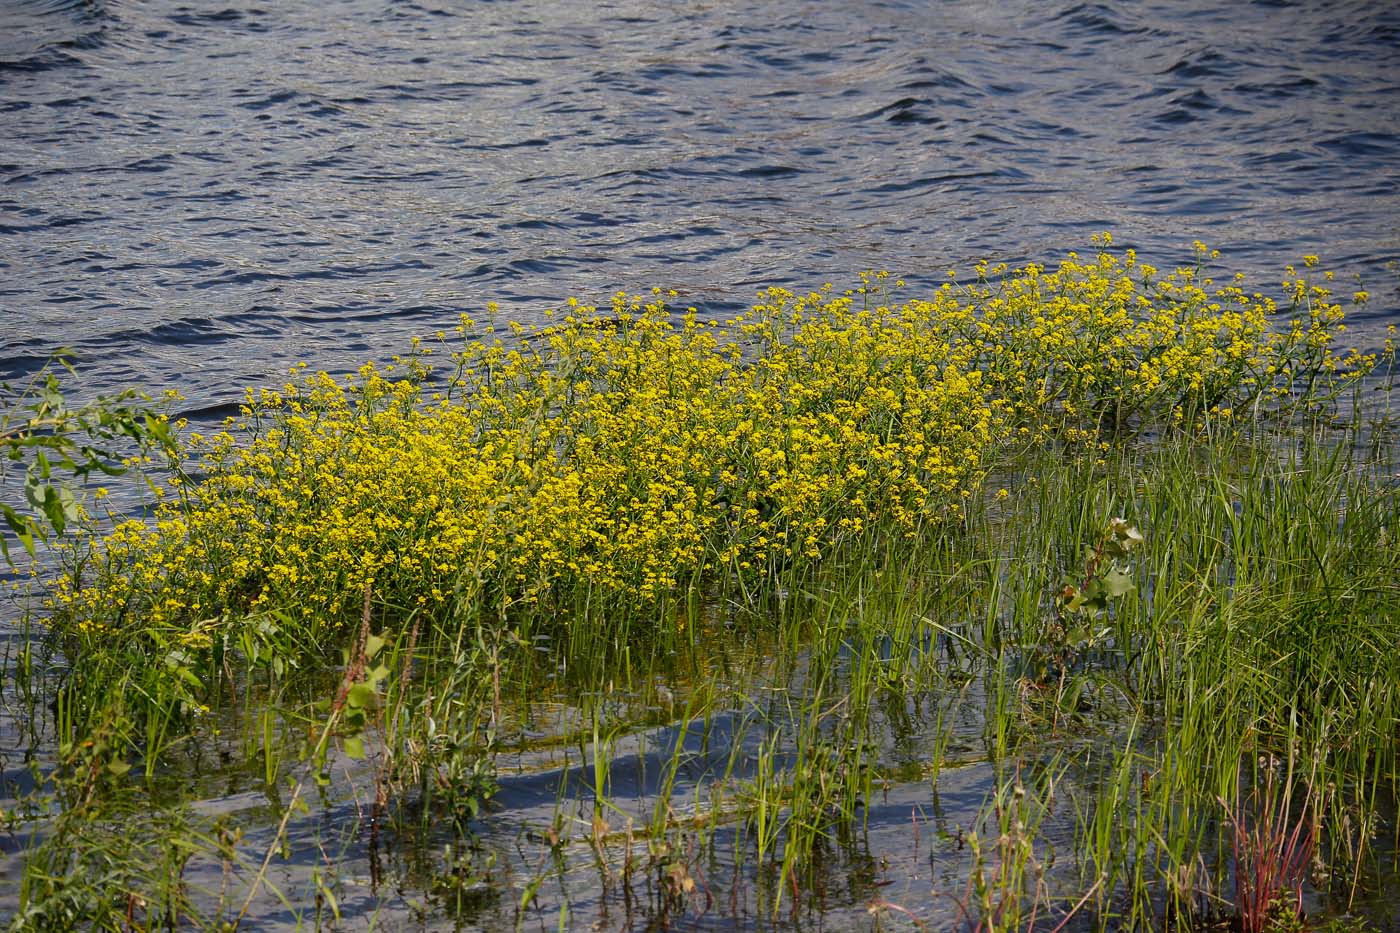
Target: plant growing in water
point(626, 486)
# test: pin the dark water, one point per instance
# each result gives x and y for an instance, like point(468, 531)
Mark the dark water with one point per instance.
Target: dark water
point(195, 195)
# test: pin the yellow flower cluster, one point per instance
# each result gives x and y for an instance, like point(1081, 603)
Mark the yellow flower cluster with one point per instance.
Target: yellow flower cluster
point(624, 453)
point(1111, 341)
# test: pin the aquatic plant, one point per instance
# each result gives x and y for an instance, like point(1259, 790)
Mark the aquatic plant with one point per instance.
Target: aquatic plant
point(919, 501)
point(1273, 851)
point(619, 456)
point(60, 444)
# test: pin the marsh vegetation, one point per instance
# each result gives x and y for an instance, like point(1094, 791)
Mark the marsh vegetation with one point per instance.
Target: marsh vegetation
point(1062, 598)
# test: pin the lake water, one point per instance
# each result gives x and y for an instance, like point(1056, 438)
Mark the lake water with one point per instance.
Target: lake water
point(195, 195)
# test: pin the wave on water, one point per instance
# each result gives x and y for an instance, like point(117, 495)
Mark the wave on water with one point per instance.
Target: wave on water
point(40, 34)
point(200, 192)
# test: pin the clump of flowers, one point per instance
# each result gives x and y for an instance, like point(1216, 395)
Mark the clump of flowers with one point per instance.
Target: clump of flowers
point(622, 455)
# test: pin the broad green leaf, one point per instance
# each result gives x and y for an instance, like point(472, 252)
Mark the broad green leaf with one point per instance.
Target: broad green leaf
point(373, 644)
point(34, 491)
point(54, 510)
point(23, 527)
point(354, 746)
point(1117, 583)
point(71, 510)
point(361, 696)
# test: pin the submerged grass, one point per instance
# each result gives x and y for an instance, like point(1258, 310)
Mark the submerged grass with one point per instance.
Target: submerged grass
point(1111, 518)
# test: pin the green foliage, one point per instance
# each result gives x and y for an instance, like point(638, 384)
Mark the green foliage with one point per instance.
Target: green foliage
point(111, 857)
point(807, 485)
point(1107, 573)
point(59, 444)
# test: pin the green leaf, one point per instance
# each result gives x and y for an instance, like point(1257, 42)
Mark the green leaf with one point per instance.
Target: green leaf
point(322, 890)
point(54, 510)
point(34, 491)
point(373, 644)
point(1091, 598)
point(69, 501)
point(23, 527)
point(361, 696)
point(354, 747)
point(1117, 583)
point(159, 429)
point(1125, 534)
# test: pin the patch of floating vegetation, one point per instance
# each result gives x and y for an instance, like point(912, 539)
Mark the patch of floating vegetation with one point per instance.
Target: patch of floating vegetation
point(1100, 532)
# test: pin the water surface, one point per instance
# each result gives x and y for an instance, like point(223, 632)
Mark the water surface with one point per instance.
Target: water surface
point(195, 195)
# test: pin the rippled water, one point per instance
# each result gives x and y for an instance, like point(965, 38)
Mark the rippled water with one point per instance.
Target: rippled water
point(194, 195)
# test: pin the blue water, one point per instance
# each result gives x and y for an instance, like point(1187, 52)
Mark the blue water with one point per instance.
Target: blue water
point(195, 195)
